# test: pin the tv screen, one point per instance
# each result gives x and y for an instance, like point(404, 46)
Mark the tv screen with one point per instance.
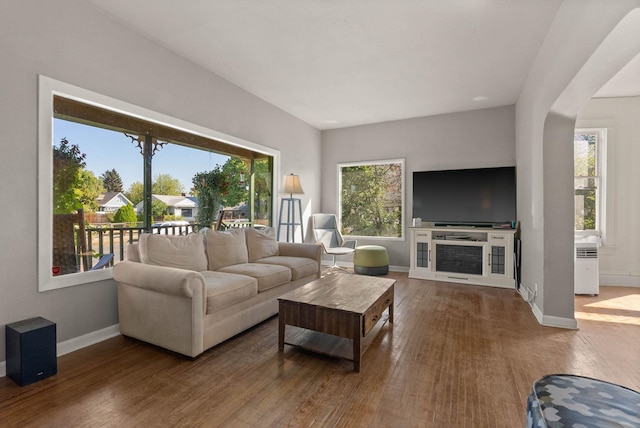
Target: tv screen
point(480, 197)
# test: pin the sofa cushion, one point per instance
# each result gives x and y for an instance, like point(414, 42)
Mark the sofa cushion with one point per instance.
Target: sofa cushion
point(225, 248)
point(300, 266)
point(132, 252)
point(261, 243)
point(184, 252)
point(226, 289)
point(268, 276)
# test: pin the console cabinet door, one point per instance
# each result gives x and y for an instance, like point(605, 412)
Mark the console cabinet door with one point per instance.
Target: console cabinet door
point(500, 257)
point(421, 250)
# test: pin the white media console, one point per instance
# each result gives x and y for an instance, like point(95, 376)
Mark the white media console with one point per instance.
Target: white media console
point(472, 255)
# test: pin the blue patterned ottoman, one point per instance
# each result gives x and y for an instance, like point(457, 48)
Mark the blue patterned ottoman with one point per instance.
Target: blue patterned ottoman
point(574, 401)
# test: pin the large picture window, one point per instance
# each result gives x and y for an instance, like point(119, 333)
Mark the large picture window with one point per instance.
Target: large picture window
point(371, 198)
point(109, 170)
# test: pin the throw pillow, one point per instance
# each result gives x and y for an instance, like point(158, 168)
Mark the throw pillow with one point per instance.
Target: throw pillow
point(184, 252)
point(261, 243)
point(226, 248)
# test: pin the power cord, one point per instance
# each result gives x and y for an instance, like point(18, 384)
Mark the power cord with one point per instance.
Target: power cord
point(531, 296)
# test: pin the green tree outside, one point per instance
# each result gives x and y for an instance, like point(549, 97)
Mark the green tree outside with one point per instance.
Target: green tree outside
point(585, 172)
point(164, 184)
point(210, 187)
point(125, 214)
point(371, 196)
point(158, 209)
point(111, 181)
point(262, 188)
point(135, 193)
point(89, 191)
point(235, 169)
point(68, 161)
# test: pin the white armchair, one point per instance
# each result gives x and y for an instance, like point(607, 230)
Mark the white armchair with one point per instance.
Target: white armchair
point(326, 232)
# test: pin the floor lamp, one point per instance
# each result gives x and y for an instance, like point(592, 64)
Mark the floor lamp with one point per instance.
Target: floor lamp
point(292, 187)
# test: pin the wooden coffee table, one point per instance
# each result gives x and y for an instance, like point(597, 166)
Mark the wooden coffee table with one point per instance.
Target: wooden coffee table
point(334, 314)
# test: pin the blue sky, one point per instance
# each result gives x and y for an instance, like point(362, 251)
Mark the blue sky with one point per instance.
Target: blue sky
point(107, 150)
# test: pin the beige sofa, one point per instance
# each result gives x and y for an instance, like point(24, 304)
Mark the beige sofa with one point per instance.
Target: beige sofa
point(189, 293)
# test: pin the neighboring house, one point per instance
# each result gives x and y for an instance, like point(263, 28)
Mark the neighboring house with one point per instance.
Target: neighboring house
point(179, 206)
point(194, 199)
point(111, 202)
point(239, 212)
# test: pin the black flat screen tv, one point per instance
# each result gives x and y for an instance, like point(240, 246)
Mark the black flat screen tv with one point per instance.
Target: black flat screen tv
point(465, 197)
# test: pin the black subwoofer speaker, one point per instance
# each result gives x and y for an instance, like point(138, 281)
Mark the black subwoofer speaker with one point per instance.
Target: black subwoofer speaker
point(31, 350)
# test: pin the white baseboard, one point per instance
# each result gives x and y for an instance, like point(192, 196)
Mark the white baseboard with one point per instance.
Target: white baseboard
point(561, 322)
point(537, 312)
point(551, 321)
point(620, 279)
point(77, 343)
point(88, 339)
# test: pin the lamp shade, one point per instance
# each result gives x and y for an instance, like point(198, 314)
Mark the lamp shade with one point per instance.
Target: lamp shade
point(292, 185)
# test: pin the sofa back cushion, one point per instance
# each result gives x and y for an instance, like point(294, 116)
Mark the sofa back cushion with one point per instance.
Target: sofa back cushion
point(132, 252)
point(261, 243)
point(226, 248)
point(184, 252)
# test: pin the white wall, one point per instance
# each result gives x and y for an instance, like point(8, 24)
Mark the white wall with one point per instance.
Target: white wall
point(619, 258)
point(71, 41)
point(573, 62)
point(471, 139)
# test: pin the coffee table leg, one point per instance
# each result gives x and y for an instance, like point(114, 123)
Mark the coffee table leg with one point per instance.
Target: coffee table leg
point(357, 350)
point(281, 326)
point(391, 312)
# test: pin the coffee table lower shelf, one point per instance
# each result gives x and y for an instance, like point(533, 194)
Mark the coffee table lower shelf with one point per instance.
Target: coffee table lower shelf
point(328, 344)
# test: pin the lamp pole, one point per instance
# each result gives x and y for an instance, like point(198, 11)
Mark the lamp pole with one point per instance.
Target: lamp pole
point(291, 186)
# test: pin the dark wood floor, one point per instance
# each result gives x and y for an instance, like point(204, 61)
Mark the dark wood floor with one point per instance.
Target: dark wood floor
point(456, 356)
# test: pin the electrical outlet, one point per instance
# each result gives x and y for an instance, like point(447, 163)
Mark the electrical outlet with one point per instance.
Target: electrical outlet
point(535, 289)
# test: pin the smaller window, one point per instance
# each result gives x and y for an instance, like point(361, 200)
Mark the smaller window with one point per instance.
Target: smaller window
point(589, 180)
point(371, 198)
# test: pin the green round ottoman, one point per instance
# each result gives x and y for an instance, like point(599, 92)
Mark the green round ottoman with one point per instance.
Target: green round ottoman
point(371, 260)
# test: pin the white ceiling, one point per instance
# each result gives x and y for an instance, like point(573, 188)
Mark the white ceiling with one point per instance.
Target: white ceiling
point(338, 63)
point(624, 84)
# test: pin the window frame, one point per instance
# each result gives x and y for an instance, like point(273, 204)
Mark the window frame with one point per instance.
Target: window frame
point(401, 161)
point(601, 180)
point(47, 89)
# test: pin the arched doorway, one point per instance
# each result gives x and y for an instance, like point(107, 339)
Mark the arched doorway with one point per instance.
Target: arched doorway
point(619, 47)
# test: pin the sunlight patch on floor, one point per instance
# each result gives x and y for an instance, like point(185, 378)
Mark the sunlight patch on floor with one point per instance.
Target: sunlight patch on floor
point(605, 317)
point(630, 302)
point(622, 309)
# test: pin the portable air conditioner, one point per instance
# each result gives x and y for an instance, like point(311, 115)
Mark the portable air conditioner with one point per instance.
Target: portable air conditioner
point(585, 266)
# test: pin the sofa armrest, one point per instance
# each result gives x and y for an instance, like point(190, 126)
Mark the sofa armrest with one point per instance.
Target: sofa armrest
point(311, 251)
point(162, 279)
point(162, 305)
